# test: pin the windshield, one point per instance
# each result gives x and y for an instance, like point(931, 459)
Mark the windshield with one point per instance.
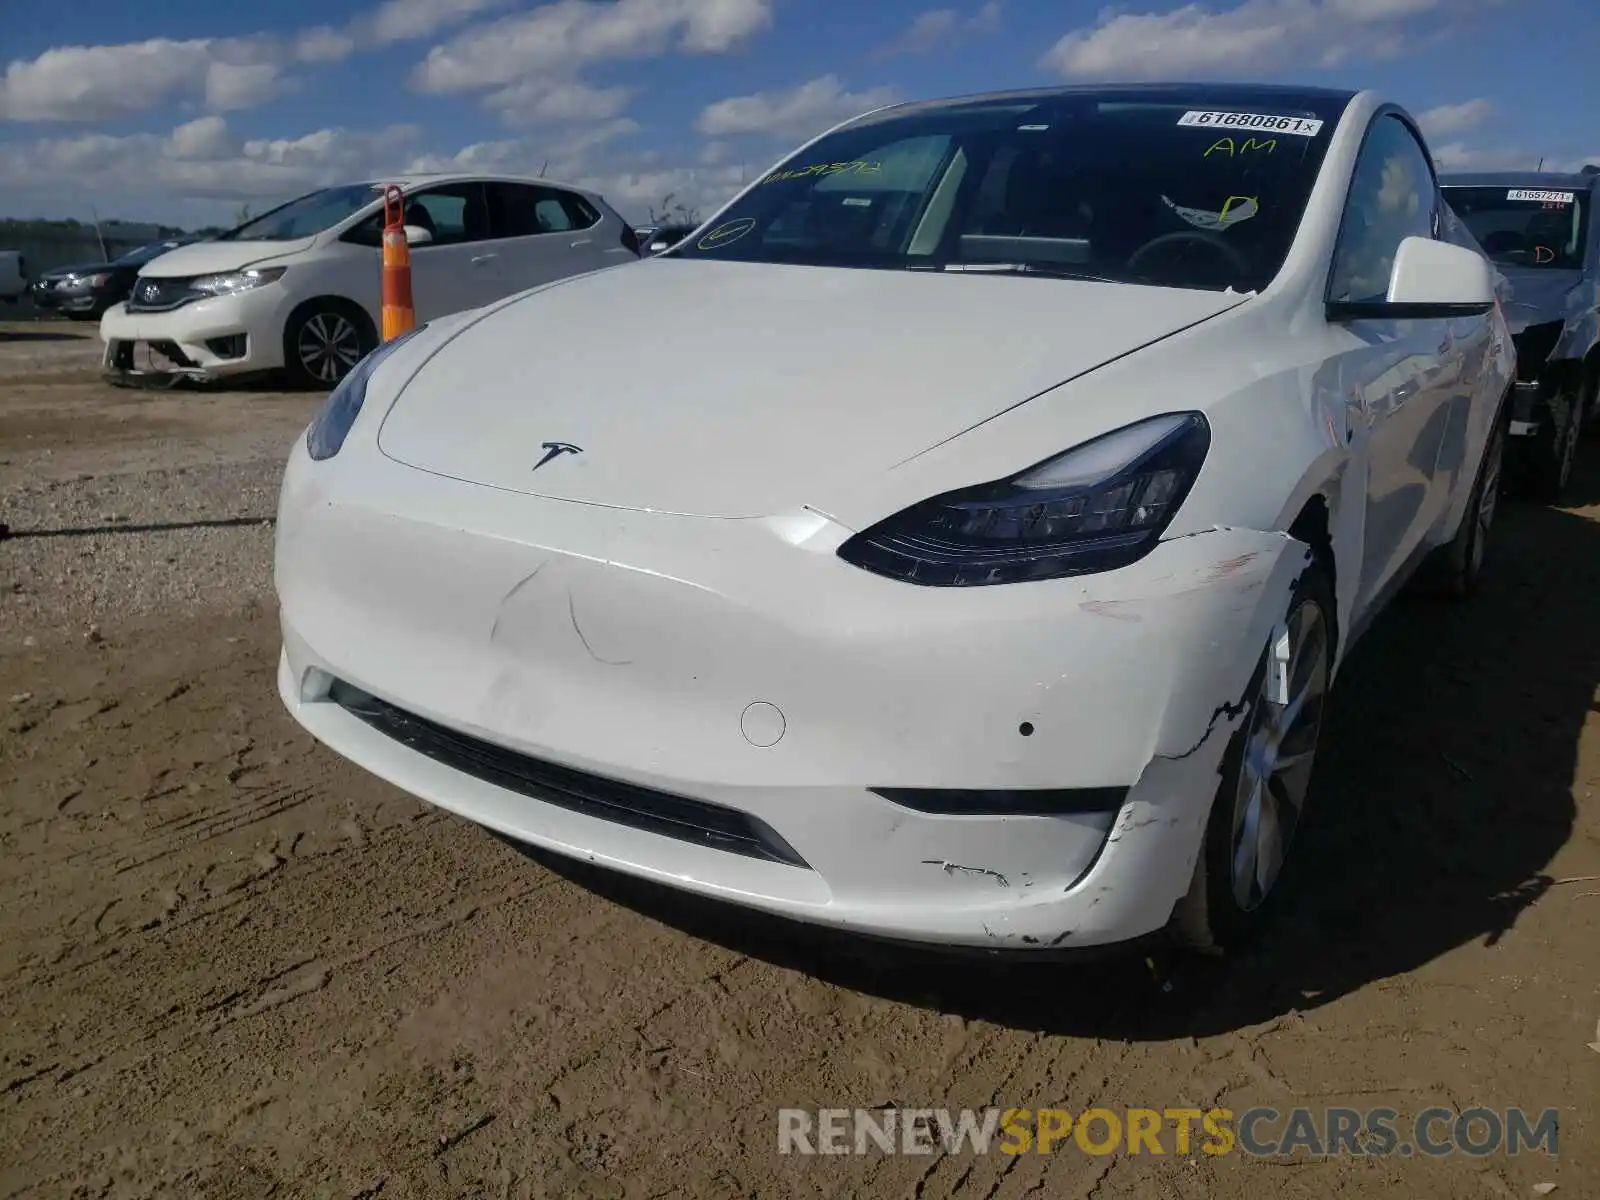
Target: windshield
point(1524, 227)
point(144, 254)
point(1152, 190)
point(307, 216)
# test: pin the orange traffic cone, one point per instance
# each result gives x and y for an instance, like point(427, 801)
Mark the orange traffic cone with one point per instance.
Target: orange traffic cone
point(398, 314)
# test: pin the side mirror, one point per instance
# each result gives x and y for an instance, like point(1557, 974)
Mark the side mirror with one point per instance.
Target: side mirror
point(1430, 280)
point(416, 235)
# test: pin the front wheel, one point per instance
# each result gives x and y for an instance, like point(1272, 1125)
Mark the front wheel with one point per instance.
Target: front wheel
point(1452, 571)
point(322, 342)
point(1266, 777)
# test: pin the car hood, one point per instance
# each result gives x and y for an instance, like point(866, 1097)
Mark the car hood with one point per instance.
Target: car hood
point(755, 387)
point(55, 273)
point(212, 258)
point(1537, 295)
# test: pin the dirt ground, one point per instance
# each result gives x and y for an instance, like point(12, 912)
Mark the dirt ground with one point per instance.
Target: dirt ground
point(232, 965)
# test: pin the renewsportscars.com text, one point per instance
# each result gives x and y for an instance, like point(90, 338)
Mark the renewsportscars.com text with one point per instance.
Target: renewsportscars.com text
point(1259, 1132)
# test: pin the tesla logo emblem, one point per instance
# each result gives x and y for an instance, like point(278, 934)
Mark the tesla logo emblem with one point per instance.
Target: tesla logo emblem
point(556, 450)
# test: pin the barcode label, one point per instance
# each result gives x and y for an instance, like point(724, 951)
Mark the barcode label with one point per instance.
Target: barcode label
point(1299, 126)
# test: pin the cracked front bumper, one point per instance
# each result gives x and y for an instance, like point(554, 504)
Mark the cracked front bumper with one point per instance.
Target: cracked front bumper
point(744, 665)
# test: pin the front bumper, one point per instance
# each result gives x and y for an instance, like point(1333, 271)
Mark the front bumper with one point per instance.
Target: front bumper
point(742, 664)
point(209, 339)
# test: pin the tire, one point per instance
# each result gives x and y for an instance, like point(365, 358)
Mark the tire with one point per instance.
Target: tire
point(323, 340)
point(1239, 874)
point(1591, 416)
point(1452, 571)
point(1555, 447)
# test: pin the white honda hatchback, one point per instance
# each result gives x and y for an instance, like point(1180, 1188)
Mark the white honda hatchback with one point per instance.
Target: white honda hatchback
point(299, 287)
point(965, 548)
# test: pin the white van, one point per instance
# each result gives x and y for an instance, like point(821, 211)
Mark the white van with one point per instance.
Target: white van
point(300, 287)
point(13, 276)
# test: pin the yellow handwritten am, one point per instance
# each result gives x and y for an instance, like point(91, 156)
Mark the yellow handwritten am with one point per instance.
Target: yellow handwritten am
point(1250, 145)
point(858, 167)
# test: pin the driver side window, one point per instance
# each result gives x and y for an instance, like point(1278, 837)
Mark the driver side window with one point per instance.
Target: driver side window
point(1393, 196)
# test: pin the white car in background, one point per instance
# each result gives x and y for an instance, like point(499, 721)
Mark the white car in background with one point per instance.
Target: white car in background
point(964, 549)
point(299, 287)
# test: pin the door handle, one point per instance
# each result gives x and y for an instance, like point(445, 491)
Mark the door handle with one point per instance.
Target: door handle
point(483, 258)
point(583, 241)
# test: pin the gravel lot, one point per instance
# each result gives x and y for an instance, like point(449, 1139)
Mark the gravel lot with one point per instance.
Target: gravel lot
point(233, 966)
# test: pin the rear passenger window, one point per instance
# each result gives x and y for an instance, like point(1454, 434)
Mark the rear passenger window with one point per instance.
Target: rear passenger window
point(524, 210)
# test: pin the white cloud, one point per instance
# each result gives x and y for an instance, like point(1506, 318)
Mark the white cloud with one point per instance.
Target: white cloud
point(198, 160)
point(539, 101)
point(1449, 119)
point(937, 25)
point(796, 113)
point(987, 18)
point(92, 83)
point(1250, 37)
point(530, 64)
point(406, 20)
point(323, 44)
point(88, 83)
point(713, 153)
point(231, 86)
point(561, 38)
point(205, 138)
point(928, 30)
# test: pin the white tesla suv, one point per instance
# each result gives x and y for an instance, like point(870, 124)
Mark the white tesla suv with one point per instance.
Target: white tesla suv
point(965, 552)
point(299, 287)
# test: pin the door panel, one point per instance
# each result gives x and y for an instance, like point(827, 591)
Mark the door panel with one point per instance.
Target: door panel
point(542, 235)
point(458, 269)
point(1399, 375)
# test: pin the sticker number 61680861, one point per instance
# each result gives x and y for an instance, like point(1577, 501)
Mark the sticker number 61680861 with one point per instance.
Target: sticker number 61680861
point(1300, 126)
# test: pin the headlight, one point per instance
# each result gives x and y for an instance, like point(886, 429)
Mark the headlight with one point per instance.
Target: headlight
point(236, 281)
point(1100, 506)
point(90, 280)
point(333, 421)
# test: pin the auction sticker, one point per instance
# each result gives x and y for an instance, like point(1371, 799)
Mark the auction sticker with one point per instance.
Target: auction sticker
point(1299, 126)
point(1539, 197)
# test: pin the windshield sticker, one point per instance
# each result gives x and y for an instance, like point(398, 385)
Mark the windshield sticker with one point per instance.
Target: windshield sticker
point(1032, 128)
point(1238, 208)
point(1539, 197)
point(856, 202)
point(726, 234)
point(1233, 149)
point(818, 169)
point(1299, 126)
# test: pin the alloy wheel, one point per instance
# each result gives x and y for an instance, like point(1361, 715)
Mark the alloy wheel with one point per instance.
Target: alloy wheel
point(1275, 775)
point(329, 345)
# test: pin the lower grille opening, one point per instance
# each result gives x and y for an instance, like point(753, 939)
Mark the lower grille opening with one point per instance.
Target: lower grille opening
point(172, 353)
point(644, 808)
point(231, 346)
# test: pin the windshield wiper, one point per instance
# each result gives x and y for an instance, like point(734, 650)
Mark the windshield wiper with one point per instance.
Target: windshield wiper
point(1052, 270)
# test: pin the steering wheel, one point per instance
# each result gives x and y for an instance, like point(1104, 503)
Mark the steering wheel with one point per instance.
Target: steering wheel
point(1184, 237)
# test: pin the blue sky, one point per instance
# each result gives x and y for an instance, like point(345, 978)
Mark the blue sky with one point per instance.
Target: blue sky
point(184, 110)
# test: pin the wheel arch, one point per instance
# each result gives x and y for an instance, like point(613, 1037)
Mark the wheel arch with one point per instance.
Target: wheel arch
point(354, 310)
point(334, 300)
point(1313, 525)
